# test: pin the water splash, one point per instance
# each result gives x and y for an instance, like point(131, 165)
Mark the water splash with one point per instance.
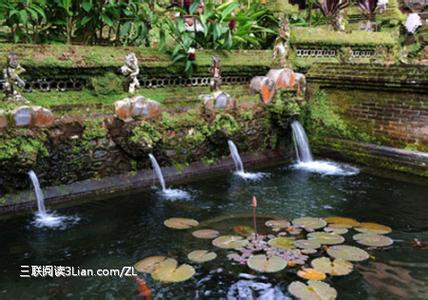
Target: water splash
point(306, 162)
point(239, 166)
point(44, 218)
point(170, 194)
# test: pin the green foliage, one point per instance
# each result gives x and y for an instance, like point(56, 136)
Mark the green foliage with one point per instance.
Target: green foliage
point(283, 107)
point(226, 123)
point(22, 147)
point(94, 129)
point(146, 133)
point(107, 84)
point(246, 115)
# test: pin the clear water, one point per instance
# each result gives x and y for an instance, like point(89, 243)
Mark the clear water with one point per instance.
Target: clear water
point(239, 166)
point(119, 231)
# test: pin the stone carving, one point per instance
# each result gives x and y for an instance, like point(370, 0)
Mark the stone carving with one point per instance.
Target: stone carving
point(12, 80)
point(131, 70)
point(218, 100)
point(136, 107)
point(339, 21)
point(281, 47)
point(215, 71)
point(28, 116)
point(277, 80)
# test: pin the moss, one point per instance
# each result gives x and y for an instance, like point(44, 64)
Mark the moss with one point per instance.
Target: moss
point(28, 148)
point(107, 84)
point(93, 131)
point(146, 133)
point(320, 36)
point(226, 123)
point(246, 115)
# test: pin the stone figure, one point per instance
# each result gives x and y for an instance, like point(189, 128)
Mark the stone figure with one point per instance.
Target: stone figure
point(215, 71)
point(131, 70)
point(12, 80)
point(339, 21)
point(281, 47)
point(382, 5)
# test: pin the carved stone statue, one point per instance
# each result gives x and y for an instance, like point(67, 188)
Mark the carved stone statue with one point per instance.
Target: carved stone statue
point(131, 70)
point(281, 47)
point(12, 80)
point(215, 71)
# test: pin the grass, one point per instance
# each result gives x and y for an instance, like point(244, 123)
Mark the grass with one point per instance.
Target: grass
point(321, 36)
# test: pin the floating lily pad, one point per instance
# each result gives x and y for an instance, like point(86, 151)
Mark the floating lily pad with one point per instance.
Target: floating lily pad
point(230, 242)
point(335, 230)
point(206, 234)
point(342, 222)
point(373, 240)
point(294, 230)
point(149, 264)
point(373, 228)
point(180, 223)
point(277, 225)
point(310, 223)
point(309, 273)
point(349, 253)
point(307, 244)
point(308, 251)
point(167, 271)
point(261, 263)
point(243, 230)
point(282, 242)
point(337, 267)
point(314, 290)
point(326, 238)
point(201, 256)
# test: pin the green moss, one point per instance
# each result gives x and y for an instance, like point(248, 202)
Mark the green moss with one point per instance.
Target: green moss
point(226, 123)
point(146, 133)
point(320, 36)
point(93, 131)
point(28, 148)
point(107, 84)
point(246, 115)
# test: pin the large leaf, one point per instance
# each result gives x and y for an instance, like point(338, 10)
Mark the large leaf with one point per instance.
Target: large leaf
point(310, 223)
point(337, 267)
point(180, 223)
point(373, 228)
point(314, 290)
point(326, 238)
point(373, 240)
point(230, 242)
point(262, 263)
point(201, 256)
point(149, 264)
point(167, 271)
point(349, 253)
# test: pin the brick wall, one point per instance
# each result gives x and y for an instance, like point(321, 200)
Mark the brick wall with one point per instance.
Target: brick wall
point(394, 118)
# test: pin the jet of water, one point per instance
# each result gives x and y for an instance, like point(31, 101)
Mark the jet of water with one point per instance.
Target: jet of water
point(239, 166)
point(39, 193)
point(301, 144)
point(158, 171)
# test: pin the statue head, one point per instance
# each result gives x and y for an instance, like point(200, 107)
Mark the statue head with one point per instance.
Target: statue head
point(131, 59)
point(215, 61)
point(12, 60)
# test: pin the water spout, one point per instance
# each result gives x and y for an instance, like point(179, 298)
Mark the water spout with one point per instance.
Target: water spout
point(39, 193)
point(301, 143)
point(44, 218)
point(305, 160)
point(239, 166)
point(158, 171)
point(171, 194)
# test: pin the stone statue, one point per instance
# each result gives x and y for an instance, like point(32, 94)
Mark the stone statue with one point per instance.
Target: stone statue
point(282, 42)
point(339, 21)
point(12, 80)
point(131, 70)
point(215, 71)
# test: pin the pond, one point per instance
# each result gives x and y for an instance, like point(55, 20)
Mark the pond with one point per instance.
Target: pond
point(124, 229)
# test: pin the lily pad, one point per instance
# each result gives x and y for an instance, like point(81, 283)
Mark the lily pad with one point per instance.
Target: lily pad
point(282, 242)
point(337, 267)
point(243, 230)
point(313, 290)
point(308, 251)
point(310, 223)
point(307, 244)
point(335, 230)
point(342, 222)
point(180, 223)
point(373, 228)
point(261, 263)
point(201, 256)
point(326, 238)
point(373, 240)
point(167, 271)
point(349, 253)
point(309, 273)
point(277, 225)
point(230, 242)
point(149, 264)
point(206, 234)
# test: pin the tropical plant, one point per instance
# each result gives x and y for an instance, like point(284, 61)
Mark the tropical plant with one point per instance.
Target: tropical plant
point(369, 9)
point(332, 9)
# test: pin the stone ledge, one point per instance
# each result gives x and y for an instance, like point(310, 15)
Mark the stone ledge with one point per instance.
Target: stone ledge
point(94, 189)
point(401, 160)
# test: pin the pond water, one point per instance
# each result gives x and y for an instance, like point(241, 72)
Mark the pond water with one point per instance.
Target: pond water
point(119, 231)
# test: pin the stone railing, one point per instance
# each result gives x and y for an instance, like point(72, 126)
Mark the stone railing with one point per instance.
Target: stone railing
point(332, 52)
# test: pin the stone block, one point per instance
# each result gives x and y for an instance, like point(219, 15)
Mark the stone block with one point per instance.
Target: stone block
point(23, 116)
point(43, 117)
point(123, 109)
